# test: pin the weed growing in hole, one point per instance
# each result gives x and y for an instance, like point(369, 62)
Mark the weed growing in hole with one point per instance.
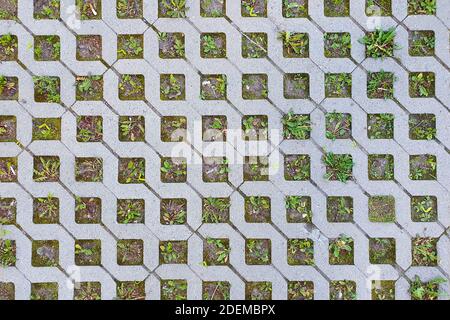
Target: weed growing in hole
point(298, 209)
point(383, 290)
point(422, 43)
point(7, 253)
point(380, 126)
point(173, 211)
point(337, 45)
point(422, 126)
point(300, 252)
point(254, 45)
point(173, 252)
point(338, 85)
point(216, 252)
point(341, 251)
point(46, 169)
point(254, 8)
point(213, 45)
point(295, 8)
point(87, 291)
point(296, 126)
point(129, 9)
point(216, 210)
point(338, 125)
point(380, 43)
point(424, 251)
point(174, 289)
point(47, 89)
point(380, 85)
point(343, 290)
point(130, 46)
point(338, 166)
point(421, 84)
point(424, 208)
point(130, 290)
point(426, 290)
point(295, 45)
point(336, 8)
point(422, 7)
point(8, 47)
point(216, 290)
point(172, 8)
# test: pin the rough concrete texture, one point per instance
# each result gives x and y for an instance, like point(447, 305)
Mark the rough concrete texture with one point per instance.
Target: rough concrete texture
point(418, 228)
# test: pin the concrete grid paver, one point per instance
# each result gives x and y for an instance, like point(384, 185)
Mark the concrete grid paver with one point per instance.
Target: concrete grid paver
point(237, 272)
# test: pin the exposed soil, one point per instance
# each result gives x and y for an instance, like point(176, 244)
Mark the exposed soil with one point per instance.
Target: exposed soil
point(89, 47)
point(46, 48)
point(44, 291)
point(45, 253)
point(88, 169)
point(216, 290)
point(382, 209)
point(421, 163)
point(381, 167)
point(173, 252)
point(339, 8)
point(220, 45)
point(9, 88)
point(254, 86)
point(90, 9)
point(47, 176)
point(88, 252)
point(89, 88)
point(173, 129)
point(215, 214)
point(130, 9)
point(130, 290)
point(215, 169)
point(89, 128)
point(255, 127)
point(8, 210)
point(7, 291)
point(132, 128)
point(8, 128)
point(8, 9)
point(214, 128)
point(177, 172)
point(335, 211)
point(131, 170)
point(8, 51)
point(295, 8)
point(88, 210)
point(256, 169)
point(172, 87)
point(132, 87)
point(41, 7)
point(297, 167)
point(257, 214)
point(382, 251)
point(258, 291)
point(88, 291)
point(212, 8)
point(254, 45)
point(296, 86)
point(212, 253)
point(213, 87)
point(257, 255)
point(167, 45)
point(130, 252)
